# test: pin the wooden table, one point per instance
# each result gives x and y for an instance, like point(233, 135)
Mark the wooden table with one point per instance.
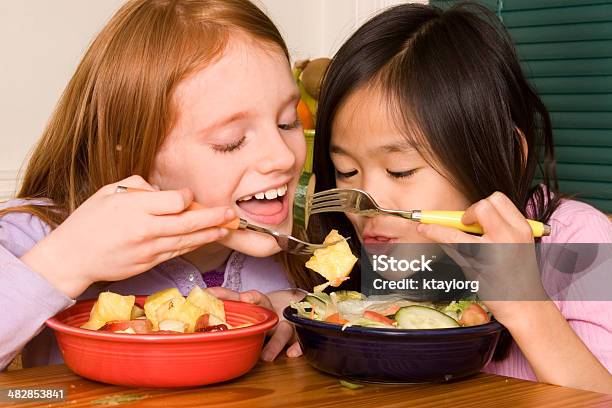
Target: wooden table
point(293, 383)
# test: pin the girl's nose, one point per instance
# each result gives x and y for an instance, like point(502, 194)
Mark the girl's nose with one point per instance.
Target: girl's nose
point(275, 154)
point(377, 190)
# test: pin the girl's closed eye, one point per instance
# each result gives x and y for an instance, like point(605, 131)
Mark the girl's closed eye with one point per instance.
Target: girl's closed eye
point(230, 147)
point(401, 174)
point(290, 126)
point(345, 175)
point(237, 144)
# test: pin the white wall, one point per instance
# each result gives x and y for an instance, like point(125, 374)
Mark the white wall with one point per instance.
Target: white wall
point(315, 28)
point(42, 41)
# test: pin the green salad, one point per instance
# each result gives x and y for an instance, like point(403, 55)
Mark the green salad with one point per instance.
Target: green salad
point(349, 308)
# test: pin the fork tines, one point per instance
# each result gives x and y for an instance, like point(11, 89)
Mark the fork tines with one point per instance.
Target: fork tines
point(330, 196)
point(327, 193)
point(335, 201)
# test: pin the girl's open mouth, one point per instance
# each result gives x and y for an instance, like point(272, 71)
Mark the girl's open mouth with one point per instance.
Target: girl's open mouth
point(267, 207)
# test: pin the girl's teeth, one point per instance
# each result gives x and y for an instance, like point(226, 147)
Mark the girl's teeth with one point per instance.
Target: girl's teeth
point(271, 194)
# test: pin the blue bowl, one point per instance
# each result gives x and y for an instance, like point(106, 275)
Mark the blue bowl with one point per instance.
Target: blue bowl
point(394, 355)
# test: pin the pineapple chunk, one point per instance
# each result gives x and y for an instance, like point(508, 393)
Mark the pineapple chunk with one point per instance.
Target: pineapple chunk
point(137, 312)
point(173, 325)
point(181, 310)
point(334, 262)
point(208, 303)
point(109, 306)
point(157, 299)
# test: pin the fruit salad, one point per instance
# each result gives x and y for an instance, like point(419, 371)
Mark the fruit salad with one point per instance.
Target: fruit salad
point(164, 312)
point(349, 308)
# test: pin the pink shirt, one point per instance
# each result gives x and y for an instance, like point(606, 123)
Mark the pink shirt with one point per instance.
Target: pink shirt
point(573, 222)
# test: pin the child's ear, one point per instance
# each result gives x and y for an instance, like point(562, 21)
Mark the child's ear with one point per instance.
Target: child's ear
point(524, 146)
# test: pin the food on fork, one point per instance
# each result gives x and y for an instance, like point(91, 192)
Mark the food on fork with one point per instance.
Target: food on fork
point(334, 262)
point(165, 312)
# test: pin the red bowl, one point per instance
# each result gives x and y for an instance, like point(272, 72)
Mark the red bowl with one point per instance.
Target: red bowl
point(162, 360)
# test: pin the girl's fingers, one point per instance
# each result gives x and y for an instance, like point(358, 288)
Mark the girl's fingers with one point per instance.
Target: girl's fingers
point(446, 235)
point(224, 293)
point(156, 202)
point(294, 350)
point(173, 246)
point(192, 221)
point(511, 214)
point(252, 296)
point(490, 219)
point(500, 219)
point(276, 344)
point(256, 298)
point(152, 200)
point(132, 181)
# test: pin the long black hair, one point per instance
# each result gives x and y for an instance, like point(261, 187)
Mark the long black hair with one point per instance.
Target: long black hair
point(455, 76)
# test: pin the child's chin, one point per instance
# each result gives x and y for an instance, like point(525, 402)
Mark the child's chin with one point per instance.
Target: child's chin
point(260, 246)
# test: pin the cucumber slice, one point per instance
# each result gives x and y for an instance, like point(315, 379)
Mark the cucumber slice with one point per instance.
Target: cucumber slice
point(422, 317)
point(303, 199)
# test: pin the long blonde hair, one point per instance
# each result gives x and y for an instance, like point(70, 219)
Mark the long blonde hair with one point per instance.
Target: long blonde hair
point(117, 109)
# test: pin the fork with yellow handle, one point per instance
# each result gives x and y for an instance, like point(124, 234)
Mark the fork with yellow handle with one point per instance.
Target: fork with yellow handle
point(359, 202)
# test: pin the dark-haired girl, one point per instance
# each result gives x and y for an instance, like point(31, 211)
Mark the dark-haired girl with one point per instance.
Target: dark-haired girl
point(429, 109)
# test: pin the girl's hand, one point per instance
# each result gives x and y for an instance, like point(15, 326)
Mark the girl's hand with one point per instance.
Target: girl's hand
point(284, 332)
point(555, 353)
point(501, 221)
point(113, 236)
point(502, 259)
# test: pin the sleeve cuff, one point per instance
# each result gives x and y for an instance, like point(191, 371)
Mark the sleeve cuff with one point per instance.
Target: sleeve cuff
point(23, 285)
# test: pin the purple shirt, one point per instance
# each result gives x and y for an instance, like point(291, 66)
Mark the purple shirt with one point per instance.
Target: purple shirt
point(27, 299)
point(214, 278)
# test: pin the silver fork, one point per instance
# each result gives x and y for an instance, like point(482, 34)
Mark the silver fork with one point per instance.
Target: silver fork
point(287, 243)
point(351, 201)
point(359, 202)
